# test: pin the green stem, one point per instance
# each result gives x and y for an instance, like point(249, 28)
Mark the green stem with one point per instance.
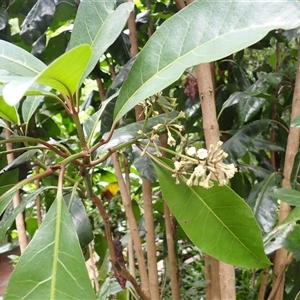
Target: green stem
point(20, 184)
point(80, 131)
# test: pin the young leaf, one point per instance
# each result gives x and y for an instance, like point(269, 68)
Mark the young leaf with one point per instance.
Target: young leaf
point(18, 61)
point(98, 25)
point(63, 75)
point(8, 113)
point(52, 265)
point(180, 42)
point(216, 220)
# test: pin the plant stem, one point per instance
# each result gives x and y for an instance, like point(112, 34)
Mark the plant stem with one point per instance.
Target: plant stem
point(20, 223)
point(150, 239)
point(263, 284)
point(291, 151)
point(132, 223)
point(211, 133)
point(170, 239)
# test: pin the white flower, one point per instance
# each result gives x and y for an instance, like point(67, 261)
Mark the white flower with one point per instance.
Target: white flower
point(181, 115)
point(156, 127)
point(191, 151)
point(207, 183)
point(230, 170)
point(202, 153)
point(171, 141)
point(190, 180)
point(199, 171)
point(177, 165)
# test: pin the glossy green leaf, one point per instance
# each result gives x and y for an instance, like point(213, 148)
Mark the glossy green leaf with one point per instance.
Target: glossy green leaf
point(52, 267)
point(80, 220)
point(143, 164)
point(98, 25)
point(63, 75)
point(24, 157)
point(216, 220)
point(263, 204)
point(107, 117)
point(29, 106)
point(92, 124)
point(180, 42)
point(37, 20)
point(240, 143)
point(292, 197)
point(285, 235)
point(18, 61)
point(8, 218)
point(8, 112)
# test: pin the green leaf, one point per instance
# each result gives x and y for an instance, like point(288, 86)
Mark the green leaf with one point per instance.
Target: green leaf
point(29, 106)
point(37, 20)
point(8, 218)
point(240, 143)
point(92, 123)
point(216, 220)
point(24, 157)
point(18, 61)
point(180, 42)
point(98, 25)
point(80, 220)
point(63, 75)
point(52, 267)
point(8, 113)
point(292, 197)
point(263, 204)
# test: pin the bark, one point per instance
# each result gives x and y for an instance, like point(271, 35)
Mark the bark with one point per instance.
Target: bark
point(170, 241)
point(222, 276)
point(132, 225)
point(20, 223)
point(291, 150)
point(150, 239)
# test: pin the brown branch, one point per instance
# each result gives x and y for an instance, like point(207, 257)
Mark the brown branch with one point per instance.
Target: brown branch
point(280, 278)
point(101, 89)
point(291, 150)
point(132, 223)
point(263, 284)
point(20, 223)
point(170, 239)
point(132, 33)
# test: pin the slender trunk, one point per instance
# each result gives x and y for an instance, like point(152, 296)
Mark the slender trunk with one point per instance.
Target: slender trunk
point(20, 223)
point(291, 150)
point(132, 225)
point(170, 241)
point(224, 286)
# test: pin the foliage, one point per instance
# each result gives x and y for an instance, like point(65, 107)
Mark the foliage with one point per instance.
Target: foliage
point(53, 111)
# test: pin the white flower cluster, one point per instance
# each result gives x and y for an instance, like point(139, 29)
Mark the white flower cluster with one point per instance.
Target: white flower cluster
point(209, 164)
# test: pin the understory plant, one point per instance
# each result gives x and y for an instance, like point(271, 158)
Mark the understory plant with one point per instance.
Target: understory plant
point(112, 165)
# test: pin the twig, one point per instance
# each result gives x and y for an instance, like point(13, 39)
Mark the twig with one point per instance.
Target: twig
point(132, 33)
point(101, 89)
point(263, 284)
point(132, 223)
point(280, 278)
point(20, 224)
point(170, 240)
